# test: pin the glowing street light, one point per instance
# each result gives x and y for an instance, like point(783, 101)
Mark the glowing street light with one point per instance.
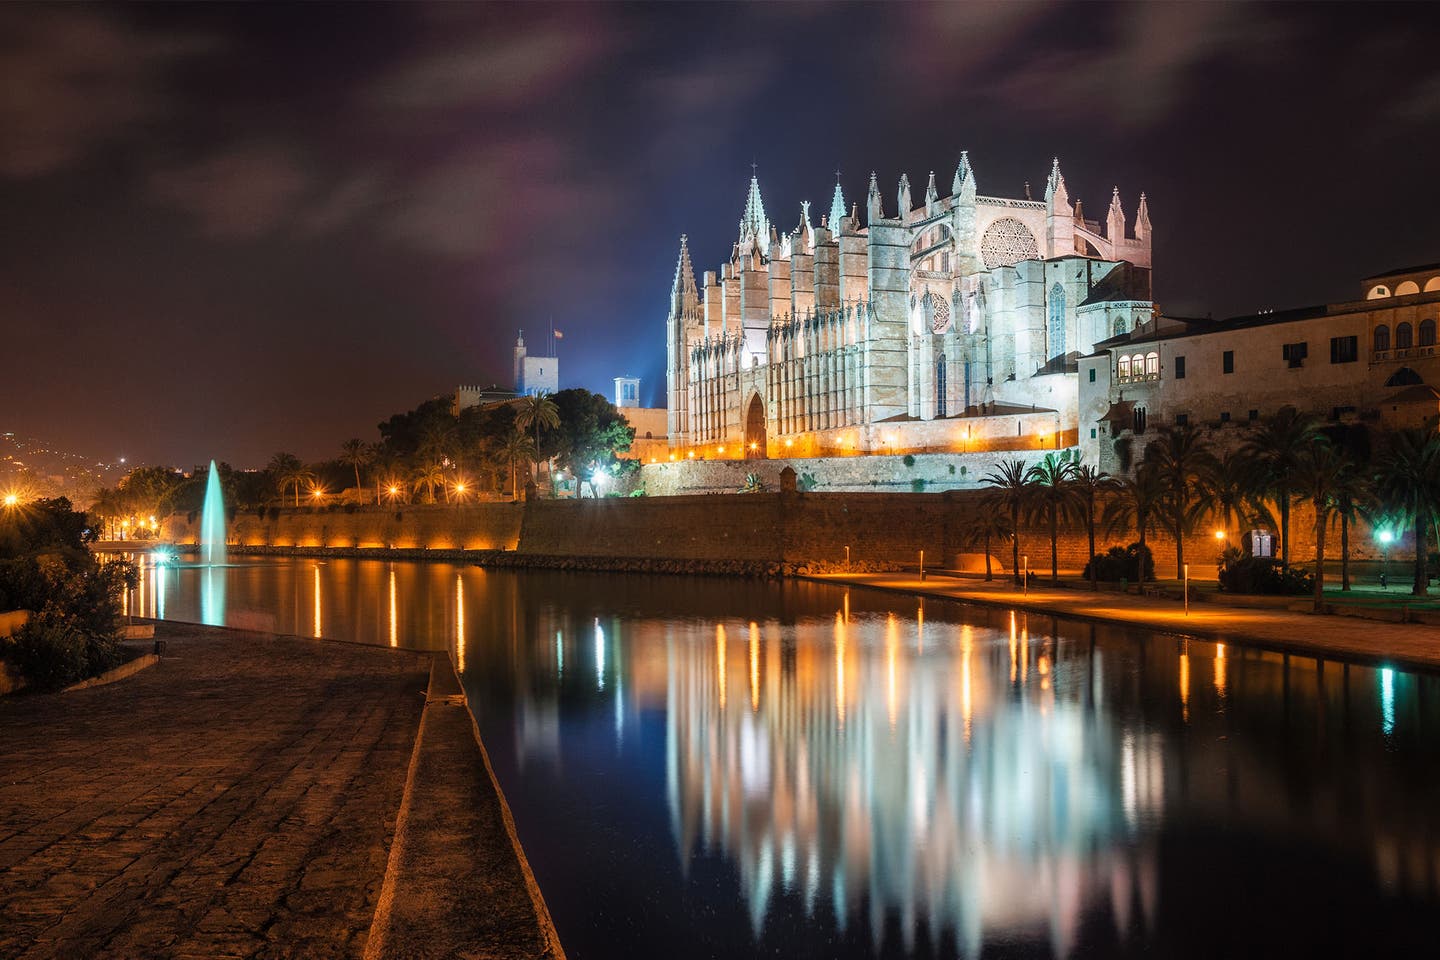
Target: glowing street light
point(11, 499)
point(1219, 534)
point(1386, 536)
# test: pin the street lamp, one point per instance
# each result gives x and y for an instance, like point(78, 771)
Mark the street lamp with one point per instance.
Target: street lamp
point(1385, 536)
point(11, 499)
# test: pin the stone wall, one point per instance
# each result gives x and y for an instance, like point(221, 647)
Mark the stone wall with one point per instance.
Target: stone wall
point(767, 528)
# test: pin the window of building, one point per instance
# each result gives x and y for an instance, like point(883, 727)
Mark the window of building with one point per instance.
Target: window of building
point(1227, 361)
point(1055, 329)
point(1119, 326)
point(1092, 433)
point(1404, 336)
point(1152, 366)
point(1295, 353)
point(1092, 374)
point(1182, 419)
point(940, 386)
point(1179, 368)
point(1427, 333)
point(1224, 416)
point(1382, 338)
point(1122, 369)
point(1254, 414)
point(1137, 417)
point(1344, 349)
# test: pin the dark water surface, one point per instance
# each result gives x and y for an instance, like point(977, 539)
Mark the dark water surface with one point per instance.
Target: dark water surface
point(715, 768)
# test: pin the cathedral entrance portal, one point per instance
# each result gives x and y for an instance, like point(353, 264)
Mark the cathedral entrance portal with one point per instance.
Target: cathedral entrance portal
point(755, 429)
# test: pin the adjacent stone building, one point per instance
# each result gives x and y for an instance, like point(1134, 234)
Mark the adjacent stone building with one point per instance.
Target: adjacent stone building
point(1370, 360)
point(956, 324)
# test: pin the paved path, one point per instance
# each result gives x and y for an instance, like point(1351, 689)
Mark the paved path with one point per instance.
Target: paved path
point(219, 804)
point(1373, 641)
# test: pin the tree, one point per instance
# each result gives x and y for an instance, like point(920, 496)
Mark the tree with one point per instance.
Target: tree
point(592, 432)
point(1227, 490)
point(1273, 449)
point(1317, 476)
point(538, 412)
point(355, 453)
point(1137, 503)
point(288, 471)
point(1407, 484)
point(1052, 496)
point(518, 446)
point(1010, 479)
point(988, 524)
point(1087, 484)
point(1180, 458)
point(428, 477)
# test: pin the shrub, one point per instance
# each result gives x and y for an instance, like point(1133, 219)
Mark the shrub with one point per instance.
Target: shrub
point(807, 482)
point(908, 460)
point(917, 486)
point(1241, 573)
point(753, 484)
point(1133, 563)
point(54, 652)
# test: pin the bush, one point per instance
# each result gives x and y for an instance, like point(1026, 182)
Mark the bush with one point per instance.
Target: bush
point(1133, 563)
point(917, 485)
point(908, 460)
point(1241, 573)
point(53, 652)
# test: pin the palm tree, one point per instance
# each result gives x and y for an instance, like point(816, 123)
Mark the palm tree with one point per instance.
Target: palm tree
point(1011, 482)
point(355, 453)
point(1180, 457)
point(428, 477)
point(1137, 504)
point(986, 525)
point(537, 411)
point(1053, 497)
point(518, 446)
point(437, 441)
point(1317, 476)
point(289, 471)
point(1407, 483)
point(1228, 491)
point(1273, 449)
point(1087, 484)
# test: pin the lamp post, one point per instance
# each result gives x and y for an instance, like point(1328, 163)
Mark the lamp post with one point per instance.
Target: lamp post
point(1385, 536)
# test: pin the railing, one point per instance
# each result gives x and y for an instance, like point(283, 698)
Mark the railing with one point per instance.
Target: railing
point(1141, 378)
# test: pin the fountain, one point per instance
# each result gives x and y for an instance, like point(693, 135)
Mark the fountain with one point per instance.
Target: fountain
point(212, 522)
point(212, 552)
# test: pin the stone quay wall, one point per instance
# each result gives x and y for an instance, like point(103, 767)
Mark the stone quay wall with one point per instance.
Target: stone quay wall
point(766, 532)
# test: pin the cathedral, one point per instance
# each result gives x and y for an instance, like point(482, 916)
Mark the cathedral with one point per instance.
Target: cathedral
point(956, 324)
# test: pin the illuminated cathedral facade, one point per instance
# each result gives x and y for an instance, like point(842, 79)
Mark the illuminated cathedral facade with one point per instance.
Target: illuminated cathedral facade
point(953, 323)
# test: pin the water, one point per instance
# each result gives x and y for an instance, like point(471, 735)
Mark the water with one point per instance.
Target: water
point(711, 768)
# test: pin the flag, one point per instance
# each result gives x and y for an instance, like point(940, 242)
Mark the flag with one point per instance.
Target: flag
point(559, 335)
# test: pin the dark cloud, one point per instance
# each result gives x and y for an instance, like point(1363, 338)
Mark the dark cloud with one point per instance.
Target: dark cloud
point(74, 79)
point(242, 192)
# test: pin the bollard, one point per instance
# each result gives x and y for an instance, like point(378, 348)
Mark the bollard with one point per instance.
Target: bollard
point(922, 564)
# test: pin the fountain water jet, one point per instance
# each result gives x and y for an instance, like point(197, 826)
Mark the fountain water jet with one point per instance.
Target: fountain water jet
point(212, 522)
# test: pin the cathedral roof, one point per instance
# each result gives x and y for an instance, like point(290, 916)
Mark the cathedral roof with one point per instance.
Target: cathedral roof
point(1422, 268)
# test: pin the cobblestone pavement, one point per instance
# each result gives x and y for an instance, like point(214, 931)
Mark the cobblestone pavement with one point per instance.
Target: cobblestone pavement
point(235, 800)
point(1371, 641)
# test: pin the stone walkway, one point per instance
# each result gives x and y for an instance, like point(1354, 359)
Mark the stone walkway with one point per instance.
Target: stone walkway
point(235, 800)
point(1397, 644)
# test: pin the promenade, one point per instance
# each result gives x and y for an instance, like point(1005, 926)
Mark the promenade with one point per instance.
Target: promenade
point(1370, 641)
point(241, 799)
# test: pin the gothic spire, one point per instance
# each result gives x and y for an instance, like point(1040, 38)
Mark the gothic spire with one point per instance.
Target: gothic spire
point(903, 199)
point(683, 293)
point(874, 206)
point(1055, 192)
point(964, 176)
point(932, 196)
point(837, 206)
point(1142, 220)
point(1115, 219)
point(753, 223)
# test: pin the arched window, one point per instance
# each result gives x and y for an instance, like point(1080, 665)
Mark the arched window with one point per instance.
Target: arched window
point(1382, 338)
point(1378, 291)
point(1427, 333)
point(1138, 419)
point(1432, 284)
point(1152, 366)
point(1404, 336)
point(1122, 369)
point(1119, 326)
point(1407, 288)
point(1055, 332)
point(940, 386)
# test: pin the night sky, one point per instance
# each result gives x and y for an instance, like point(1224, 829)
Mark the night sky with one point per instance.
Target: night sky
point(231, 230)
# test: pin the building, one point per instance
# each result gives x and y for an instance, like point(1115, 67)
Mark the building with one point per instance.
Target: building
point(535, 374)
point(651, 443)
point(1369, 361)
point(956, 322)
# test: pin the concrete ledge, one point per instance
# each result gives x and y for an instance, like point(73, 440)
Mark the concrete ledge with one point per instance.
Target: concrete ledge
point(457, 883)
point(119, 673)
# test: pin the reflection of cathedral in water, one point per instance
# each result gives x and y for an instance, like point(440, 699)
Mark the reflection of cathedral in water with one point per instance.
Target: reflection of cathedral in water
point(897, 771)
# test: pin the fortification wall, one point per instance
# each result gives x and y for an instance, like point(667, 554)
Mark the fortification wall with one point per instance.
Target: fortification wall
point(767, 527)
